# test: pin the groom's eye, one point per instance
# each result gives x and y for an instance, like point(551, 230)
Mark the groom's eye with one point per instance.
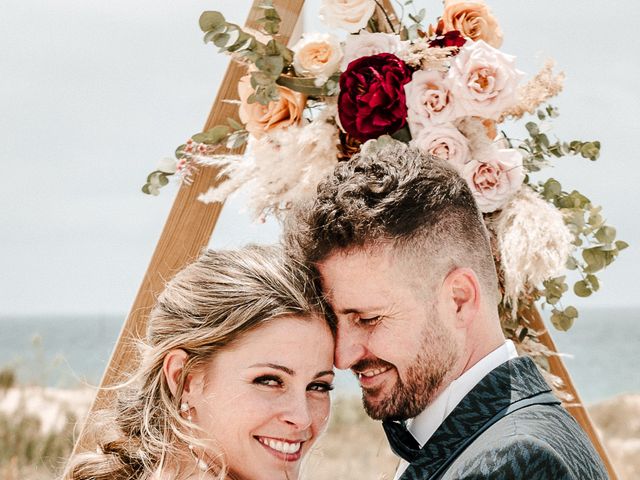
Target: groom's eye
point(369, 320)
point(268, 381)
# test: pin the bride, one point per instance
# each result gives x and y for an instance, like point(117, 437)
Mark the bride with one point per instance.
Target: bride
point(233, 382)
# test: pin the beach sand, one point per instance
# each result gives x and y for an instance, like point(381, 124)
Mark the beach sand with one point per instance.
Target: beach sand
point(353, 446)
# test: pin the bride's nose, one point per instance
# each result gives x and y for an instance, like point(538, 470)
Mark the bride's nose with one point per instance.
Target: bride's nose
point(296, 411)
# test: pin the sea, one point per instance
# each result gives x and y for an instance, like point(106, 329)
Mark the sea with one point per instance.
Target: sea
point(601, 351)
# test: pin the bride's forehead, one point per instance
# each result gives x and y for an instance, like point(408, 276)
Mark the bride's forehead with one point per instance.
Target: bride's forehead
point(283, 337)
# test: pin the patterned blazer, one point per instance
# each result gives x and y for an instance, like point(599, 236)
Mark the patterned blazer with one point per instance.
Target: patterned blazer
point(537, 439)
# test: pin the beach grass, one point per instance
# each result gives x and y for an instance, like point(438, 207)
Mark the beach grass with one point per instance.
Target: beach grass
point(37, 427)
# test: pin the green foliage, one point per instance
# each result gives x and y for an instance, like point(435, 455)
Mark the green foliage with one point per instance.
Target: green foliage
point(271, 59)
point(155, 181)
point(230, 136)
point(595, 242)
point(308, 86)
point(538, 150)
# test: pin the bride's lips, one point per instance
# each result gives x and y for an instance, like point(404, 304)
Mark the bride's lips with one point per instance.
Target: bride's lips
point(287, 450)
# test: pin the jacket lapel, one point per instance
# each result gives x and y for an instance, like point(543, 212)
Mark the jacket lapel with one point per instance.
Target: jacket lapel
point(512, 381)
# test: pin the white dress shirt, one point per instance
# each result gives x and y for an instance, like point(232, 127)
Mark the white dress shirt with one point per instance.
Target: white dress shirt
point(427, 422)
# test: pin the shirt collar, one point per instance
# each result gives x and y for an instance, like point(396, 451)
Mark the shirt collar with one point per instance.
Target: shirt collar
point(423, 426)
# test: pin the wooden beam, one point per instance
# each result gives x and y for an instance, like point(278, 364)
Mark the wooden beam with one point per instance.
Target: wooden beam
point(187, 231)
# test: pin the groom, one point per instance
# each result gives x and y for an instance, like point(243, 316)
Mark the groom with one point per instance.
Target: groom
point(404, 261)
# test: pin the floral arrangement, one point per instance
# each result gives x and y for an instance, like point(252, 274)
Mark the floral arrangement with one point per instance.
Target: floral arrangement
point(446, 88)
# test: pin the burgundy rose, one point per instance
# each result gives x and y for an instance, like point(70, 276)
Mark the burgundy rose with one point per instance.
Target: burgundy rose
point(372, 99)
point(449, 39)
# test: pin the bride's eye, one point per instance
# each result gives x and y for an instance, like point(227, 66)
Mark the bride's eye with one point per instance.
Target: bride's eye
point(268, 381)
point(320, 387)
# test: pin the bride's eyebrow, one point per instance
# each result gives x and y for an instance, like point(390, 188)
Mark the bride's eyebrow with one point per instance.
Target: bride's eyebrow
point(325, 372)
point(274, 366)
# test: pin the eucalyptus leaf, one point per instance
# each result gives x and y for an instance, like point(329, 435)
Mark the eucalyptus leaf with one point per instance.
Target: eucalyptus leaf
point(211, 20)
point(593, 282)
point(561, 321)
point(233, 123)
point(606, 234)
point(271, 65)
point(213, 136)
point(581, 289)
point(307, 85)
point(571, 312)
point(621, 245)
point(221, 40)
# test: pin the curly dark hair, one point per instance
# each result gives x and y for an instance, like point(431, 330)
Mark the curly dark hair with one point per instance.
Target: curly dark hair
point(393, 194)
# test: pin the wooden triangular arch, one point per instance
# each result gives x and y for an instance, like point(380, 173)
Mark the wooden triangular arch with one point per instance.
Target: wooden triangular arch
point(188, 230)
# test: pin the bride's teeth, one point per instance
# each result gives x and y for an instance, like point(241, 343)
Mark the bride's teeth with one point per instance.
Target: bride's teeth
point(284, 447)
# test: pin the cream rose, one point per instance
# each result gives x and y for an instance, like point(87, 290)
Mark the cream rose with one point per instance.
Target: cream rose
point(473, 20)
point(494, 182)
point(483, 80)
point(349, 15)
point(445, 142)
point(429, 100)
point(366, 44)
point(317, 55)
point(259, 119)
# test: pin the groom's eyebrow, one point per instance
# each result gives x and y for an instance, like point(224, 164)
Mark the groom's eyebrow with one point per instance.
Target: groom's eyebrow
point(275, 366)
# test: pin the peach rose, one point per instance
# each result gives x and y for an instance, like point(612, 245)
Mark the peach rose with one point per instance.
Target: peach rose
point(494, 182)
point(473, 20)
point(317, 55)
point(259, 119)
point(445, 142)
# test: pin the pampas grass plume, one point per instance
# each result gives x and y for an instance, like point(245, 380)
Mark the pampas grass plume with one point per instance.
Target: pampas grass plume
point(533, 240)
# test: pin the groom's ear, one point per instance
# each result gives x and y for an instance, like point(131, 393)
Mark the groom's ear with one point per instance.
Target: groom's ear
point(462, 294)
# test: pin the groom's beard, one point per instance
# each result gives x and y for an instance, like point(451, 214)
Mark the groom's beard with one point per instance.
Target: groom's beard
point(424, 377)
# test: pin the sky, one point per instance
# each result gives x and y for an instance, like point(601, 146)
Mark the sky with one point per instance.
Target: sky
point(94, 94)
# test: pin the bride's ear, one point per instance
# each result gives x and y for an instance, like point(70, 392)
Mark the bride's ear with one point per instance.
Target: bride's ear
point(172, 368)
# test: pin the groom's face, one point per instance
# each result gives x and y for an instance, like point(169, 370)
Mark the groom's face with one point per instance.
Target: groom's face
point(391, 330)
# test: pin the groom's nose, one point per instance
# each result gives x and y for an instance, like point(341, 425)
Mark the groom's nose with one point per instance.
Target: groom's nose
point(350, 345)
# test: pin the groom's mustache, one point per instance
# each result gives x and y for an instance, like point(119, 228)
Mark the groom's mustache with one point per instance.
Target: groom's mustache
point(370, 364)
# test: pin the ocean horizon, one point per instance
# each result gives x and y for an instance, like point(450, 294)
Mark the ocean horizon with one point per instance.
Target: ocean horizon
point(601, 351)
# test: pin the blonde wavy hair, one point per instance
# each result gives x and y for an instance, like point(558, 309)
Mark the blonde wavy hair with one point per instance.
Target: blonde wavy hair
point(203, 309)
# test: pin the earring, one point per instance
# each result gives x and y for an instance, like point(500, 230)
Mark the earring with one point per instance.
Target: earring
point(184, 408)
point(200, 463)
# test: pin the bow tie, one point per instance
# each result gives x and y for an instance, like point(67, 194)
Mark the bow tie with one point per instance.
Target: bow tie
point(401, 441)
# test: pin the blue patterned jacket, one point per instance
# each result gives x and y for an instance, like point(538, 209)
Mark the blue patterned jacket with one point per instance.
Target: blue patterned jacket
point(534, 442)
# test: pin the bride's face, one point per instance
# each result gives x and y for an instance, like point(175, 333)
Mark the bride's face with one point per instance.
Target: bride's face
point(265, 399)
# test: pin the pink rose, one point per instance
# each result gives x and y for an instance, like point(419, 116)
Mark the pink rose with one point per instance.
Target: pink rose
point(445, 142)
point(494, 182)
point(429, 100)
point(483, 80)
point(366, 44)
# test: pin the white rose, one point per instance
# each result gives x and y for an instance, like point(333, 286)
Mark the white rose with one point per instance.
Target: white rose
point(494, 182)
point(317, 55)
point(445, 142)
point(429, 100)
point(349, 15)
point(484, 80)
point(366, 44)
